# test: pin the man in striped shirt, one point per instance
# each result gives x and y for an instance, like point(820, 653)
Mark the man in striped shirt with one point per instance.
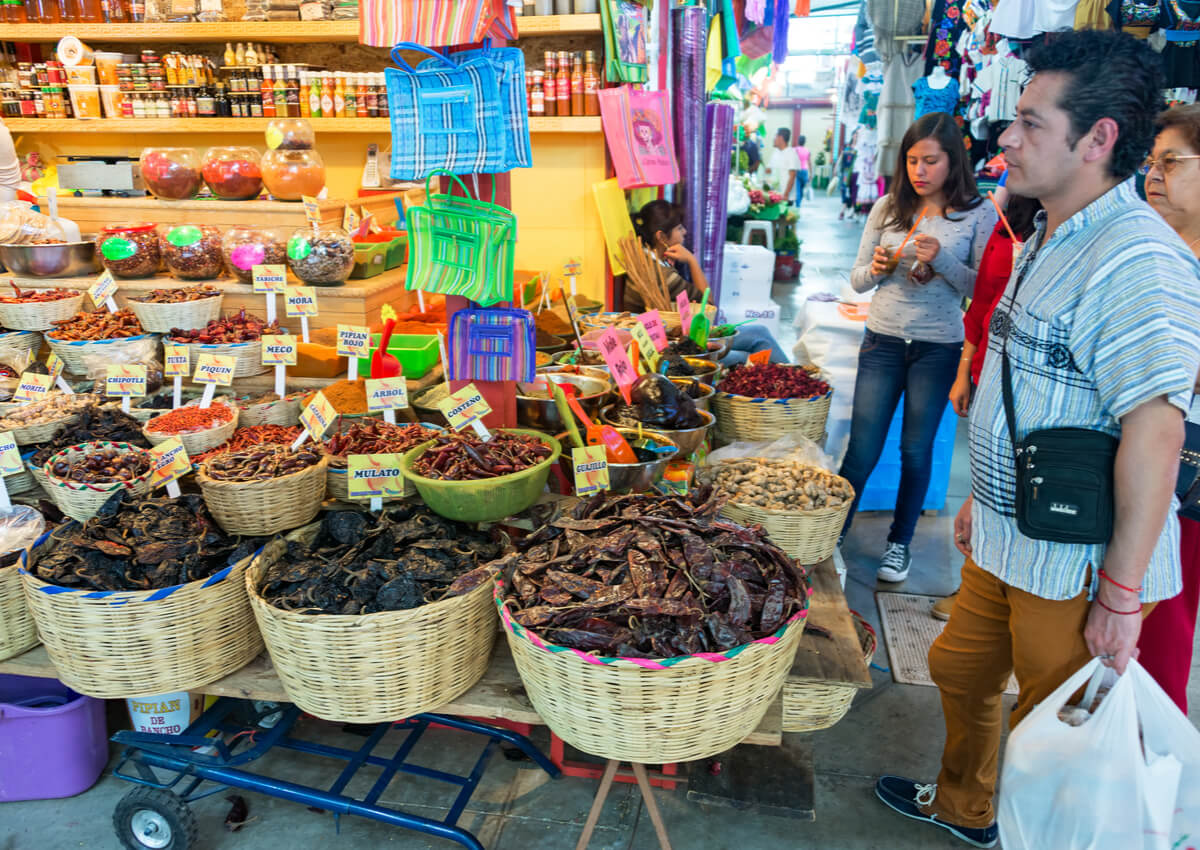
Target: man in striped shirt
point(1102, 325)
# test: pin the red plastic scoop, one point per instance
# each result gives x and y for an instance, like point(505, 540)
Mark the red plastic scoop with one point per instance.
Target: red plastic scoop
point(383, 364)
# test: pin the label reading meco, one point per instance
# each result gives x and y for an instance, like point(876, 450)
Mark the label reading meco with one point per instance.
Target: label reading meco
point(353, 340)
point(176, 357)
point(387, 393)
point(215, 369)
point(10, 456)
point(591, 469)
point(318, 416)
point(33, 387)
point(374, 476)
point(124, 381)
point(269, 277)
point(300, 301)
point(103, 289)
point(170, 462)
point(464, 407)
point(278, 350)
point(55, 365)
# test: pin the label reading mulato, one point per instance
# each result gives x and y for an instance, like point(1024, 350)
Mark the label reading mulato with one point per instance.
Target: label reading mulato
point(374, 476)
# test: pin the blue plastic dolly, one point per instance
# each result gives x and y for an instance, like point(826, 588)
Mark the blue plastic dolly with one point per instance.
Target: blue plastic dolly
point(156, 814)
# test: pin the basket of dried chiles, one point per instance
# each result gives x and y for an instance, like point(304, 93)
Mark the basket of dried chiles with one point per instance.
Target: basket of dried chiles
point(146, 597)
point(238, 336)
point(97, 422)
point(40, 421)
point(198, 428)
point(20, 527)
point(370, 617)
point(37, 309)
point(371, 436)
point(758, 402)
point(101, 333)
point(263, 489)
point(801, 507)
point(648, 628)
point(164, 310)
point(270, 409)
point(82, 477)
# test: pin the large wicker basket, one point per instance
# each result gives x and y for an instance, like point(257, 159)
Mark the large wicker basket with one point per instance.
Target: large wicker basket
point(809, 707)
point(72, 353)
point(247, 355)
point(28, 435)
point(40, 315)
point(638, 710)
point(742, 418)
point(17, 630)
point(20, 341)
point(370, 668)
point(265, 507)
point(198, 441)
point(118, 644)
point(81, 501)
point(284, 411)
point(163, 318)
point(808, 536)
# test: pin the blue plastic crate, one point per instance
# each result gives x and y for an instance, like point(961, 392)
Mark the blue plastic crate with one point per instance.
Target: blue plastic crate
point(880, 492)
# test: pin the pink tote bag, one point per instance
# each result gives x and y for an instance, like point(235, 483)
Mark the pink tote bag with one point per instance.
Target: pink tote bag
point(637, 127)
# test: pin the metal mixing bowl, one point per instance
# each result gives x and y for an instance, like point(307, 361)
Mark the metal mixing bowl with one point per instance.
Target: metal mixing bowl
point(67, 259)
point(688, 439)
point(705, 370)
point(626, 477)
point(704, 402)
point(541, 414)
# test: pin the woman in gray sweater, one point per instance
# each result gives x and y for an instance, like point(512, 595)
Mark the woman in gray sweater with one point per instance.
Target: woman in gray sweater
point(914, 329)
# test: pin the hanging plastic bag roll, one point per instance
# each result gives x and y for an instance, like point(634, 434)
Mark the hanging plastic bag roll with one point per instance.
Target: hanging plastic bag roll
point(718, 122)
point(688, 43)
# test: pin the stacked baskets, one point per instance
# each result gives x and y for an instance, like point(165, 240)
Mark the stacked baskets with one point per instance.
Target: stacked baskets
point(39, 315)
point(17, 630)
point(247, 355)
point(197, 441)
point(161, 318)
point(80, 501)
point(72, 353)
point(14, 342)
point(742, 418)
point(268, 506)
point(811, 706)
point(282, 411)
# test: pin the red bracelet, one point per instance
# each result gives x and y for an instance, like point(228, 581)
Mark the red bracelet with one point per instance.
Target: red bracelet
point(1111, 580)
point(1100, 602)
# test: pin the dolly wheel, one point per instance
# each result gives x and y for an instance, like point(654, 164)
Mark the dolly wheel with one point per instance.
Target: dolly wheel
point(154, 819)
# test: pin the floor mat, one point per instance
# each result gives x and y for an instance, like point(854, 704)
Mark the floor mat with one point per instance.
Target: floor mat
point(908, 631)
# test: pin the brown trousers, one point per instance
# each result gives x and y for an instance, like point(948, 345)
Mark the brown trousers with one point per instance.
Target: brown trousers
point(996, 630)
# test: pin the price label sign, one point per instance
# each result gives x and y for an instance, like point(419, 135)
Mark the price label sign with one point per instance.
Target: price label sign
point(170, 463)
point(278, 350)
point(10, 455)
point(374, 476)
point(591, 470)
point(646, 346)
point(300, 301)
point(760, 358)
point(216, 369)
point(685, 311)
point(387, 393)
point(353, 340)
point(349, 219)
point(124, 381)
point(318, 416)
point(618, 361)
point(652, 322)
point(32, 387)
point(175, 357)
point(269, 278)
point(466, 407)
point(55, 365)
point(102, 291)
point(312, 209)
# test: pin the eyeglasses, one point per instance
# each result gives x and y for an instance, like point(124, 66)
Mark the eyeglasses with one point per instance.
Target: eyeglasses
point(1165, 163)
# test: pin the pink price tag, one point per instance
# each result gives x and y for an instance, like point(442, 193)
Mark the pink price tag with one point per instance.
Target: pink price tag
point(685, 311)
point(652, 322)
point(618, 362)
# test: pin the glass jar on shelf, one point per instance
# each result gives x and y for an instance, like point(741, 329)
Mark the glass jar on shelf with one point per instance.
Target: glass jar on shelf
point(291, 174)
point(233, 173)
point(211, 12)
point(172, 174)
point(291, 134)
point(130, 250)
point(193, 252)
point(180, 11)
point(245, 247)
point(321, 256)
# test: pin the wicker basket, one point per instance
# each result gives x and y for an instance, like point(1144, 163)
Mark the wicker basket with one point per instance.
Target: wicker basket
point(284, 411)
point(808, 536)
point(337, 484)
point(29, 435)
point(247, 356)
point(127, 644)
point(265, 507)
point(370, 668)
point(652, 712)
point(809, 707)
point(17, 630)
point(741, 418)
point(20, 341)
point(81, 501)
point(198, 441)
point(40, 315)
point(23, 481)
point(72, 353)
point(163, 318)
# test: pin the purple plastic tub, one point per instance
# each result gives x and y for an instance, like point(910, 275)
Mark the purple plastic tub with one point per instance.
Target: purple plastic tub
point(53, 742)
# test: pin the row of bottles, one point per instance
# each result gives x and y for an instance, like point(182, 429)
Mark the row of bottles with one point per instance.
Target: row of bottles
point(286, 92)
point(569, 85)
point(109, 11)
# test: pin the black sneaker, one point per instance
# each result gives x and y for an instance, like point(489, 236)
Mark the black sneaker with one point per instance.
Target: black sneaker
point(906, 797)
point(893, 566)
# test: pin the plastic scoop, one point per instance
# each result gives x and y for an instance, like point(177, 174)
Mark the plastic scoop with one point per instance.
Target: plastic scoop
point(727, 330)
point(383, 364)
point(564, 411)
point(701, 323)
point(616, 448)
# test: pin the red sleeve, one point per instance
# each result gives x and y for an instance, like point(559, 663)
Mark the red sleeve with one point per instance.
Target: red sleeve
point(995, 267)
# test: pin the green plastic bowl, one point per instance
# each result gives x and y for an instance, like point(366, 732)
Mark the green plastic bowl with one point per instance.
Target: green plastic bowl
point(416, 352)
point(486, 500)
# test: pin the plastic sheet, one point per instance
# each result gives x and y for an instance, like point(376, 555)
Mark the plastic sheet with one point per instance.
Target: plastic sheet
point(718, 121)
point(688, 44)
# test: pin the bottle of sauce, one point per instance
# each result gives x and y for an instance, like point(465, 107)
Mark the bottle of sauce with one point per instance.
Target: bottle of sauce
point(230, 58)
point(44, 12)
point(548, 85)
point(239, 55)
point(372, 97)
point(381, 87)
point(327, 95)
point(292, 84)
point(537, 98)
point(562, 84)
point(281, 100)
point(304, 106)
point(350, 96)
point(591, 85)
point(339, 96)
point(13, 11)
point(314, 94)
point(360, 95)
point(576, 84)
point(267, 91)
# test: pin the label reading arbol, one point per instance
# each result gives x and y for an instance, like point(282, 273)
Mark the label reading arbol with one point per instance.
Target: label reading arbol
point(353, 340)
point(170, 462)
point(215, 369)
point(387, 393)
point(591, 469)
point(278, 350)
point(122, 380)
point(175, 356)
point(300, 301)
point(375, 476)
point(269, 278)
point(464, 407)
point(10, 455)
point(318, 416)
point(32, 387)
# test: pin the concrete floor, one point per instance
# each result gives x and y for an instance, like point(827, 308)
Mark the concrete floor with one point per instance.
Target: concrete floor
point(890, 729)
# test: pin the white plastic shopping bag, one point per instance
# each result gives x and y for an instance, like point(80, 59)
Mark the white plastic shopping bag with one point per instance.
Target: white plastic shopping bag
point(1128, 778)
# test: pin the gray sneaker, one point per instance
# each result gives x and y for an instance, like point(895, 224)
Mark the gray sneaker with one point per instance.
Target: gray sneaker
point(893, 566)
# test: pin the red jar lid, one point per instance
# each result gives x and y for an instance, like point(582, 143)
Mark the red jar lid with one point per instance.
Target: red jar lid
point(130, 228)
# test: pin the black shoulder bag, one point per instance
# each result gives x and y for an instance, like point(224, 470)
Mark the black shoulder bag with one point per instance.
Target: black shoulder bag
point(1064, 475)
point(1187, 484)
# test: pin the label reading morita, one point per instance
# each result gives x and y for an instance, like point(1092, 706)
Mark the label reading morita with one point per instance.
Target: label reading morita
point(33, 387)
point(10, 455)
point(318, 416)
point(170, 462)
point(175, 356)
point(387, 393)
point(591, 469)
point(374, 476)
point(464, 407)
point(215, 369)
point(122, 380)
point(269, 277)
point(353, 340)
point(300, 301)
point(104, 287)
point(278, 350)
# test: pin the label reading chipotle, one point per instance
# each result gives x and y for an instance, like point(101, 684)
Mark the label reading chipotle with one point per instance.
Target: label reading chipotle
point(124, 381)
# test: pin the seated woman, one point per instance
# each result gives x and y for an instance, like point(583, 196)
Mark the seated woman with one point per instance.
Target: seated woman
point(659, 224)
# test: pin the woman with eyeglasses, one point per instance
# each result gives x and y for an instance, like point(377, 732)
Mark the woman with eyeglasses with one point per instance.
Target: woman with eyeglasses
point(1173, 188)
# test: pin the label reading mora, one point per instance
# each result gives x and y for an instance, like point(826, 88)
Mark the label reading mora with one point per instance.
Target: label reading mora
point(300, 301)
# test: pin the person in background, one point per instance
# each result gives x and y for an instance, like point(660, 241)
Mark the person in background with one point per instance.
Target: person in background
point(995, 268)
point(783, 165)
point(803, 159)
point(753, 157)
point(10, 166)
point(914, 328)
point(1100, 326)
point(846, 179)
point(1173, 189)
point(659, 224)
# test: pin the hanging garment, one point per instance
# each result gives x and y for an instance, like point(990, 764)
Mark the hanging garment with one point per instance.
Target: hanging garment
point(945, 26)
point(929, 99)
point(896, 103)
point(1091, 15)
point(434, 23)
point(1023, 19)
point(1180, 22)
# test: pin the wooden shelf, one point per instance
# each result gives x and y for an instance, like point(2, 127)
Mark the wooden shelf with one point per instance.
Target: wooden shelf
point(589, 124)
point(276, 32)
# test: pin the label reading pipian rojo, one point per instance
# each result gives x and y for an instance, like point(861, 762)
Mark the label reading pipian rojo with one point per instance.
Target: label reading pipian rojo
point(170, 462)
point(269, 278)
point(353, 340)
point(375, 476)
point(278, 350)
point(591, 469)
point(215, 369)
point(387, 393)
point(300, 301)
point(10, 455)
point(122, 380)
point(32, 387)
point(175, 360)
point(318, 416)
point(465, 407)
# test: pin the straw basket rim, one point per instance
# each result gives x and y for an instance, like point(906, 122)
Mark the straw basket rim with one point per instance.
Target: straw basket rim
point(203, 477)
point(163, 317)
point(21, 316)
point(83, 486)
point(224, 403)
point(49, 335)
point(414, 454)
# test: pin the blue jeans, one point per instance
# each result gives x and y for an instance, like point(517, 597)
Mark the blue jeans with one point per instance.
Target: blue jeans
point(751, 339)
point(924, 373)
point(801, 182)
